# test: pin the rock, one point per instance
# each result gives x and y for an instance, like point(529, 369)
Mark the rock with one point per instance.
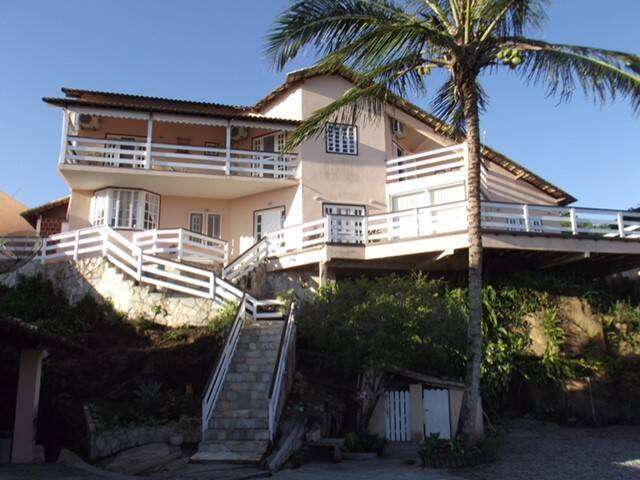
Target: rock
point(176, 439)
point(140, 459)
point(581, 326)
point(539, 341)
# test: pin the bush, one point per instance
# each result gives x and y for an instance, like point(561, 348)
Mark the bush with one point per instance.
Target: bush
point(223, 318)
point(461, 451)
point(364, 443)
point(36, 301)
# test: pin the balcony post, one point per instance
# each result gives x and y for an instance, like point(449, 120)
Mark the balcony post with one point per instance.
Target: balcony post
point(227, 166)
point(327, 229)
point(147, 161)
point(63, 138)
point(574, 221)
point(365, 230)
point(525, 213)
point(620, 224)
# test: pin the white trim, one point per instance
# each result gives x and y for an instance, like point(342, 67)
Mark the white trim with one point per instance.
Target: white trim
point(106, 112)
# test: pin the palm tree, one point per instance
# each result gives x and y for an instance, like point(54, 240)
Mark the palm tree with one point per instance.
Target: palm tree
point(393, 45)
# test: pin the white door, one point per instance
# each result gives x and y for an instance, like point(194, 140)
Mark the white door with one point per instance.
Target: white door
point(266, 221)
point(437, 418)
point(397, 416)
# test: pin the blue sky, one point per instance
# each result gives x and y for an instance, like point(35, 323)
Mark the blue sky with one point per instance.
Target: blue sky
point(212, 50)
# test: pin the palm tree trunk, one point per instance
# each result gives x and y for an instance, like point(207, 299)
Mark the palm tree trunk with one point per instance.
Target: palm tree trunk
point(468, 413)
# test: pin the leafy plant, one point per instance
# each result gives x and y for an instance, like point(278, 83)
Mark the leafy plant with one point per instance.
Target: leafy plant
point(148, 396)
point(360, 442)
point(223, 318)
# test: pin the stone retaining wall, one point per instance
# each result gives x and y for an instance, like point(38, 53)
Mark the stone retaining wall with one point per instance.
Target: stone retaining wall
point(98, 278)
point(109, 442)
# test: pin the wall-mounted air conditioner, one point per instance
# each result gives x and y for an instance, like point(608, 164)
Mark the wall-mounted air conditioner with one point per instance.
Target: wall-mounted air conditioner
point(239, 133)
point(89, 122)
point(397, 127)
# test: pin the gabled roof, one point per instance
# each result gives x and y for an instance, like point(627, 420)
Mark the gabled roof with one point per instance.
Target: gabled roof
point(31, 215)
point(125, 101)
point(295, 78)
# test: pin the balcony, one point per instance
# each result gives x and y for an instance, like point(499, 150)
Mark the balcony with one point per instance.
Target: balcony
point(442, 229)
point(175, 158)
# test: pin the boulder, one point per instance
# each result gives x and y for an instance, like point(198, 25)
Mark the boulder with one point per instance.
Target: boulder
point(539, 341)
point(140, 459)
point(582, 327)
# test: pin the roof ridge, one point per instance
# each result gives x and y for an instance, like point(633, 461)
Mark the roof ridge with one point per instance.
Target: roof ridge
point(76, 92)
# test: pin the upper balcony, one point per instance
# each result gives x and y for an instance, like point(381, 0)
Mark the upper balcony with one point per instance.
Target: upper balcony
point(174, 155)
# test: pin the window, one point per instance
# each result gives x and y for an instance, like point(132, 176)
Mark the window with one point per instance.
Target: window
point(454, 193)
point(123, 151)
point(341, 138)
point(125, 208)
point(409, 201)
point(346, 222)
point(205, 223)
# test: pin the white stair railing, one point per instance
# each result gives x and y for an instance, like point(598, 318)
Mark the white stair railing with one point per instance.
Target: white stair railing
point(183, 244)
point(276, 398)
point(148, 268)
point(216, 380)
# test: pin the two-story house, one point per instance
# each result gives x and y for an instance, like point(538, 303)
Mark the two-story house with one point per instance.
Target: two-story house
point(390, 190)
point(191, 198)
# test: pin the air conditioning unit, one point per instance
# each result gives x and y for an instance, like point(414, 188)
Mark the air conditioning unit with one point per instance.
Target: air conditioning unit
point(239, 133)
point(89, 122)
point(397, 127)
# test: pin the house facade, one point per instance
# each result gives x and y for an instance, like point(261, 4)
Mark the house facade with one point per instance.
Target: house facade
point(383, 193)
point(198, 204)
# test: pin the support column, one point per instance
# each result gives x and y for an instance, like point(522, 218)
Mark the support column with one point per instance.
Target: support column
point(227, 168)
point(326, 274)
point(417, 412)
point(147, 162)
point(27, 399)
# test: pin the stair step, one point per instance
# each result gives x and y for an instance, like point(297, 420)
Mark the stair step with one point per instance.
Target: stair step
point(242, 413)
point(251, 377)
point(238, 423)
point(239, 434)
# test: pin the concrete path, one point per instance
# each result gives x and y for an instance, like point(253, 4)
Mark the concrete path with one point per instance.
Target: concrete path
point(380, 469)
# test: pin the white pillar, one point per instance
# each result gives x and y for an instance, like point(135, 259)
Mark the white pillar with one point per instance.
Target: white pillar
point(227, 168)
point(147, 162)
point(27, 399)
point(63, 137)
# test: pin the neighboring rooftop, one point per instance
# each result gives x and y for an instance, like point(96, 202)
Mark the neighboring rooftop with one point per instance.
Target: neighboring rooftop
point(31, 215)
point(10, 220)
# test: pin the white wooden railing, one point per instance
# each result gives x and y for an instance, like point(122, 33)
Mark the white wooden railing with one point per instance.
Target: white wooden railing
point(437, 220)
point(183, 244)
point(216, 380)
point(560, 220)
point(246, 261)
point(283, 365)
point(182, 158)
point(148, 268)
point(433, 162)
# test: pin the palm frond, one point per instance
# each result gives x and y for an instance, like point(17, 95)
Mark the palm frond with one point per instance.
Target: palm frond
point(327, 25)
point(366, 103)
point(509, 17)
point(602, 75)
point(447, 105)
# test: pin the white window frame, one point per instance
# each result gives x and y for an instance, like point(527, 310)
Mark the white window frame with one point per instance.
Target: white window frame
point(341, 138)
point(205, 223)
point(142, 209)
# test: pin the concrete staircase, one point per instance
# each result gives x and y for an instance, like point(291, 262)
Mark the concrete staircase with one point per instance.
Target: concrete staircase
point(238, 430)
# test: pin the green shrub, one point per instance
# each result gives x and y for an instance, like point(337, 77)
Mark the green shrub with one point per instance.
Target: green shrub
point(458, 452)
point(36, 301)
point(364, 443)
point(223, 318)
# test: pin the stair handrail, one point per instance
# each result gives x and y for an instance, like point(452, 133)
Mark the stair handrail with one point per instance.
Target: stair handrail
point(248, 257)
point(216, 379)
point(286, 340)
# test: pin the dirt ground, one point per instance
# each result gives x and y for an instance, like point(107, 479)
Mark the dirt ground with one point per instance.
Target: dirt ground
point(535, 450)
